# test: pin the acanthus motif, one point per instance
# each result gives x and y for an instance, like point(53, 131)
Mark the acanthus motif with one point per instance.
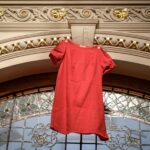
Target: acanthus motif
point(59, 14)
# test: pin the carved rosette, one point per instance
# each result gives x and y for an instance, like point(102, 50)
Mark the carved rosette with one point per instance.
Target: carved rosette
point(120, 14)
point(115, 41)
point(147, 13)
point(2, 12)
point(59, 14)
point(86, 13)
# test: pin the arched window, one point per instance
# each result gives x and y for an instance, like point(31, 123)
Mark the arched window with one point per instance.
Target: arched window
point(25, 119)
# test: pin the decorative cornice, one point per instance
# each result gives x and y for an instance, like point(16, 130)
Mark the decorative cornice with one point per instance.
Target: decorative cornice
point(123, 42)
point(50, 34)
point(62, 14)
point(39, 40)
point(31, 43)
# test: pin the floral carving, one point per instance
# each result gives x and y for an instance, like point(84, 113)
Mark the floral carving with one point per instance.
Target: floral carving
point(59, 14)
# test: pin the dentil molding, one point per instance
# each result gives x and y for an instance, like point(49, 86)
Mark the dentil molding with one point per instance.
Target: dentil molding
point(127, 43)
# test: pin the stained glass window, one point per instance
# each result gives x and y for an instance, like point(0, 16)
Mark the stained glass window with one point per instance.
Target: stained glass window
point(25, 121)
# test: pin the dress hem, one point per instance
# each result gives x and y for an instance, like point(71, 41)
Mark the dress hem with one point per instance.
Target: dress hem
point(101, 137)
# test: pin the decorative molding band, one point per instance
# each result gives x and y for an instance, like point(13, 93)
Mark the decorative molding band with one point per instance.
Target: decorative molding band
point(33, 42)
point(133, 44)
point(121, 34)
point(51, 33)
point(124, 42)
point(62, 14)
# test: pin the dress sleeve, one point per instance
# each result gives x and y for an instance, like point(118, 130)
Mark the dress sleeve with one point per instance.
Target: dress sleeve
point(57, 53)
point(107, 63)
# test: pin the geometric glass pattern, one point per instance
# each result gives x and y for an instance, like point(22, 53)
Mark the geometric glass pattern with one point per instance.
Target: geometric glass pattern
point(25, 121)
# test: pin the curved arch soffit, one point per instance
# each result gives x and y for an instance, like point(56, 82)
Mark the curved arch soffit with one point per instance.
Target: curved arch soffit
point(28, 54)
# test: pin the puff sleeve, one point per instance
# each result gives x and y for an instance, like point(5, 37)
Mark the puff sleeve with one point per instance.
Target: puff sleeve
point(107, 63)
point(57, 53)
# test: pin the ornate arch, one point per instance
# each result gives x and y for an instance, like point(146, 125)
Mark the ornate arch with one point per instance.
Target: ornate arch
point(30, 29)
point(31, 49)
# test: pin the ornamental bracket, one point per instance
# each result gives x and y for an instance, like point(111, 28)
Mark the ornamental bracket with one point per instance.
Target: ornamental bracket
point(83, 31)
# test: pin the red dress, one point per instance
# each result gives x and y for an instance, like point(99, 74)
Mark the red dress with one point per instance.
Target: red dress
point(78, 102)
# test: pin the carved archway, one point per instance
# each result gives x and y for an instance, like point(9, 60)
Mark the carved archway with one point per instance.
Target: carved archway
point(30, 52)
point(30, 29)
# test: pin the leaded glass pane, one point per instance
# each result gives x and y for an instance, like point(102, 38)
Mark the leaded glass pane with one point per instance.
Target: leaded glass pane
point(73, 137)
point(25, 121)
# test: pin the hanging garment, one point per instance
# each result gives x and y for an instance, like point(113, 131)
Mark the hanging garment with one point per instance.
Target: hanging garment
point(78, 102)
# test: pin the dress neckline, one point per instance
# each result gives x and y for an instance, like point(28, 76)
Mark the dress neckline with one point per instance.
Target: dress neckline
point(82, 46)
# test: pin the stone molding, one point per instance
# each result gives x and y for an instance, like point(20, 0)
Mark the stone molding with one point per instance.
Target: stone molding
point(130, 43)
point(28, 14)
point(75, 2)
